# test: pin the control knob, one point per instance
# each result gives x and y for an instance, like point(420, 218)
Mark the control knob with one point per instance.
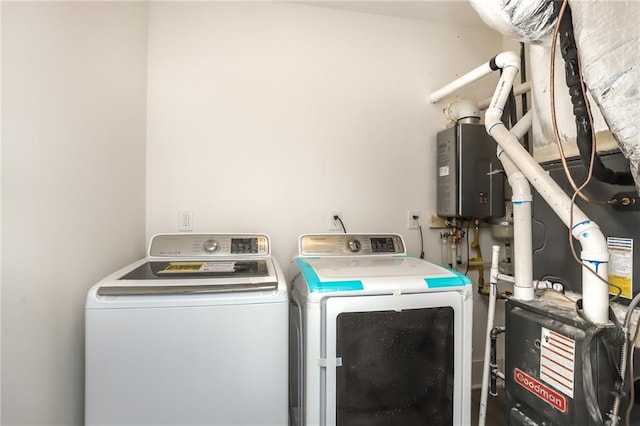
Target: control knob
point(353, 245)
point(210, 246)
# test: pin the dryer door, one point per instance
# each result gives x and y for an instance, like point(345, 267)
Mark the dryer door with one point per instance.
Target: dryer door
point(394, 360)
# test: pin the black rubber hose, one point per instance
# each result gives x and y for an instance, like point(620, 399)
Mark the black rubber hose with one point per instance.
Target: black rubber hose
point(583, 125)
point(525, 106)
point(510, 113)
point(513, 111)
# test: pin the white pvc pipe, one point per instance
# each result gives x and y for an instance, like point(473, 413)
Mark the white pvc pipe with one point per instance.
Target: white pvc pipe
point(454, 252)
point(521, 199)
point(506, 278)
point(510, 65)
point(464, 109)
point(486, 369)
point(522, 243)
point(444, 249)
point(517, 90)
point(466, 79)
point(594, 253)
point(522, 126)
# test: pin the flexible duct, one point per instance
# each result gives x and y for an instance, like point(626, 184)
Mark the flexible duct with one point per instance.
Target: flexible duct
point(607, 36)
point(528, 21)
point(584, 130)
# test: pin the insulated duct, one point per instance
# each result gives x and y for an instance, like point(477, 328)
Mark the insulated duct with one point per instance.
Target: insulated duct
point(529, 21)
point(608, 39)
point(584, 129)
point(607, 36)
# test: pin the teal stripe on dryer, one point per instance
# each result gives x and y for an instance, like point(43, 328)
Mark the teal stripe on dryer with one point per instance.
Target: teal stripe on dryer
point(317, 286)
point(457, 280)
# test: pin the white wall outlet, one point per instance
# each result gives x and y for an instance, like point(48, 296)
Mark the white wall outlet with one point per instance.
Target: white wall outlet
point(411, 222)
point(185, 220)
point(334, 224)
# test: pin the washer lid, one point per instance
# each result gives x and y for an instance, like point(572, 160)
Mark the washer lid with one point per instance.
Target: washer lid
point(191, 269)
point(380, 274)
point(197, 263)
point(193, 277)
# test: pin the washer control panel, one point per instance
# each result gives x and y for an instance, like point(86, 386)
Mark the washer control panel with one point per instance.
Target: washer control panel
point(350, 244)
point(215, 245)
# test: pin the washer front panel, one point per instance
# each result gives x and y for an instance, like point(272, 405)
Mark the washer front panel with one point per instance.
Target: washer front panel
point(209, 245)
point(351, 245)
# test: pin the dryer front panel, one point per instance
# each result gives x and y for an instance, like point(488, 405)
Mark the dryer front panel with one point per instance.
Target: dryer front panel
point(394, 360)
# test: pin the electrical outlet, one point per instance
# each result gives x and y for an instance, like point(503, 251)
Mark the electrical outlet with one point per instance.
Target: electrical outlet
point(185, 220)
point(334, 224)
point(411, 222)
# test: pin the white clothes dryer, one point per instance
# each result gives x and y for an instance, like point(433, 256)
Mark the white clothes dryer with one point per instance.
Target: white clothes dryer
point(194, 334)
point(377, 337)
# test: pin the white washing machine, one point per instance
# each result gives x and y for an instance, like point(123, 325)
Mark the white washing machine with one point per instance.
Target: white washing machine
point(194, 334)
point(377, 337)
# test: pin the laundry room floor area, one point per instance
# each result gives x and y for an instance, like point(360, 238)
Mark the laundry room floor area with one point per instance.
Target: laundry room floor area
point(496, 408)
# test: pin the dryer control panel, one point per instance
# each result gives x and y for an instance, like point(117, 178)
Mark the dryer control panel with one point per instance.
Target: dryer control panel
point(351, 244)
point(213, 245)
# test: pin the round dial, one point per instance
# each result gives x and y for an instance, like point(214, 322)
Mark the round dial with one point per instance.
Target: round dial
point(210, 246)
point(353, 245)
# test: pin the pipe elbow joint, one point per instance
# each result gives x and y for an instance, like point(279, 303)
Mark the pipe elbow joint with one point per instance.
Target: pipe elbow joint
point(520, 188)
point(492, 117)
point(592, 240)
point(507, 59)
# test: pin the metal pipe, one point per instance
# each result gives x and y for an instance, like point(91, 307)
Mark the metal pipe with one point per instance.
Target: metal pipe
point(493, 294)
point(493, 363)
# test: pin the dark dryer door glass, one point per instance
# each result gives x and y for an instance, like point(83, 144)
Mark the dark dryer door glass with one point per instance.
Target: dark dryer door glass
point(397, 367)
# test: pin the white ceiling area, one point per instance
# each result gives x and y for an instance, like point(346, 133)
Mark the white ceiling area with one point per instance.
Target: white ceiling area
point(457, 12)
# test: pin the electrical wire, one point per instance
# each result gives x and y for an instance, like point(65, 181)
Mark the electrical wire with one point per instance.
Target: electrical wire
point(339, 219)
point(421, 239)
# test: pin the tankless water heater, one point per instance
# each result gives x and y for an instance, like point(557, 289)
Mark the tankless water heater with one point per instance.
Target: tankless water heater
point(470, 182)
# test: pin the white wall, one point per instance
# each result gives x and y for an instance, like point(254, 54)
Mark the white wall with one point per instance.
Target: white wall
point(0, 219)
point(73, 183)
point(260, 117)
point(263, 117)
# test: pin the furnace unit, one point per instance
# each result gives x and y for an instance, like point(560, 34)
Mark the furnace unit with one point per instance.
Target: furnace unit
point(560, 370)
